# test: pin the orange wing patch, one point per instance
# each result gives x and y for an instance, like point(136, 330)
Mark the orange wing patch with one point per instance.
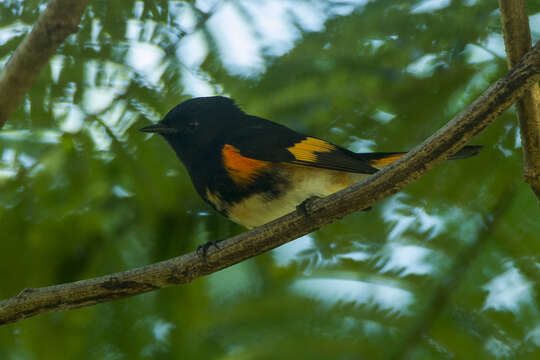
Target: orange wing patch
point(305, 150)
point(380, 163)
point(242, 170)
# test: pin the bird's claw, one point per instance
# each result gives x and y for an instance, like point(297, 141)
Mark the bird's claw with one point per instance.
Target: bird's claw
point(305, 207)
point(202, 250)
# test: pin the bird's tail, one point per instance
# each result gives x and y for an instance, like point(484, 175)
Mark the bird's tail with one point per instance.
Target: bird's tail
point(381, 159)
point(466, 152)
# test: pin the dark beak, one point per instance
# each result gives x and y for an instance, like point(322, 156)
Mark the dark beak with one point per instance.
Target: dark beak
point(159, 128)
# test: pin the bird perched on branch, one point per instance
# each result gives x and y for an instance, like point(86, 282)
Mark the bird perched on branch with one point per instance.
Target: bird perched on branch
point(253, 170)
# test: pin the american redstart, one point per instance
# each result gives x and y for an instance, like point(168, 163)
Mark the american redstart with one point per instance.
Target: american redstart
point(253, 170)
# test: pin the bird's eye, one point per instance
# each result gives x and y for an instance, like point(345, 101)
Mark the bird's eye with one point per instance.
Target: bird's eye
point(191, 126)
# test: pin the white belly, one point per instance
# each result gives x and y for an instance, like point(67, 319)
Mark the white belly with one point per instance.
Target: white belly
point(260, 209)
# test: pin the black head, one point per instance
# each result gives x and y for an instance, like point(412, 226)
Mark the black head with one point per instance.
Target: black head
point(195, 124)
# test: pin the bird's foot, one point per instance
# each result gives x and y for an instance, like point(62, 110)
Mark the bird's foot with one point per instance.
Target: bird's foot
point(202, 250)
point(305, 207)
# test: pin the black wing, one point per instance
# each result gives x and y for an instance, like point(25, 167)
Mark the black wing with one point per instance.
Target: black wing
point(268, 141)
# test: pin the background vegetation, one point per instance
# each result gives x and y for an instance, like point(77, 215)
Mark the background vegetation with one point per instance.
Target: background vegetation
point(85, 194)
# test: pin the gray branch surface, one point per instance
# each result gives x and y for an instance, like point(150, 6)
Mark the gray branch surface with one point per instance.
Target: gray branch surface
point(517, 40)
point(58, 21)
point(183, 269)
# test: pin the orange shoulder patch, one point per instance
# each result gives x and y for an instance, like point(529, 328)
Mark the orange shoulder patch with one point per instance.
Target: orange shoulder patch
point(380, 163)
point(305, 150)
point(242, 169)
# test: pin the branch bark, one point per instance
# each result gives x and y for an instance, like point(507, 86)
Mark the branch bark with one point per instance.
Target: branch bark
point(446, 141)
point(58, 21)
point(517, 40)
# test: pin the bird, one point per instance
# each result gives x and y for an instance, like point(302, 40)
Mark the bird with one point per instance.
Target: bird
point(254, 170)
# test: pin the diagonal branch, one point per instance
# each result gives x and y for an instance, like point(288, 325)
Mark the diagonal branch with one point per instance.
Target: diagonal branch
point(445, 142)
point(517, 39)
point(58, 21)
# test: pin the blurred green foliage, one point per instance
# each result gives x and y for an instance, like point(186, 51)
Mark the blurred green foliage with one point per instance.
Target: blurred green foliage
point(84, 194)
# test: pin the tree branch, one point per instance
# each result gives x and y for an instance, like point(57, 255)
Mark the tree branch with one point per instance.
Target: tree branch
point(446, 141)
point(517, 40)
point(58, 21)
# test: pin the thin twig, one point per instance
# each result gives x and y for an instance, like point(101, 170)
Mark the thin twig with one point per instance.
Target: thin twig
point(445, 142)
point(58, 21)
point(517, 40)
